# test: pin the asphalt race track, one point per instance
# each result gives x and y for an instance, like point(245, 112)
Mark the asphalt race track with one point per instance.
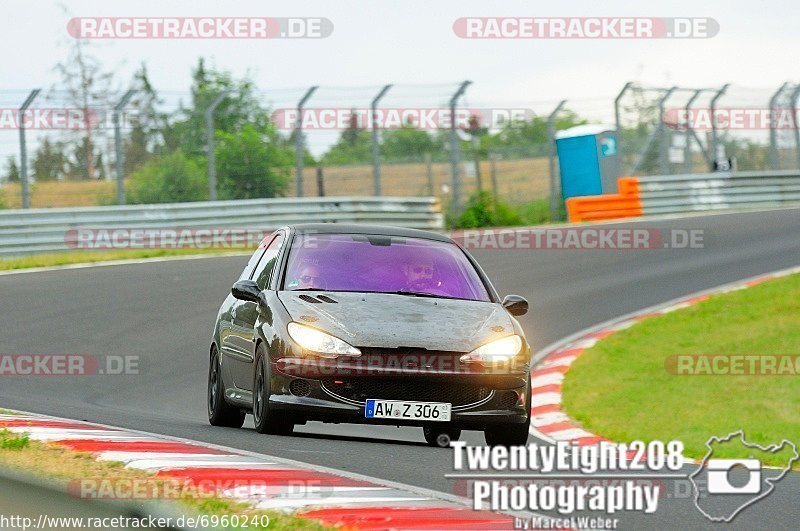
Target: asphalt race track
point(163, 312)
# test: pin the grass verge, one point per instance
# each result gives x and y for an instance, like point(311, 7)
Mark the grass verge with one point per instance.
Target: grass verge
point(86, 257)
point(625, 387)
point(49, 461)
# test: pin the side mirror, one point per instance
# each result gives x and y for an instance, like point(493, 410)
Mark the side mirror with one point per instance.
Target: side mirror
point(246, 290)
point(515, 304)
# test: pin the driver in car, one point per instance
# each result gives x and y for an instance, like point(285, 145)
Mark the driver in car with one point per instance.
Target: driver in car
point(419, 274)
point(310, 277)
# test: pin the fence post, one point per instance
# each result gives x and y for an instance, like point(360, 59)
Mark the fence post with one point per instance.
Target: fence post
point(212, 161)
point(23, 150)
point(320, 182)
point(657, 132)
point(376, 160)
point(429, 172)
point(618, 119)
point(455, 148)
point(118, 147)
point(551, 158)
point(688, 163)
point(298, 140)
point(795, 130)
point(493, 161)
point(664, 144)
point(714, 133)
point(773, 135)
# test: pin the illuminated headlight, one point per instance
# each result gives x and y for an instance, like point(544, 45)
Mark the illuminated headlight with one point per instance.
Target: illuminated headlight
point(319, 342)
point(498, 351)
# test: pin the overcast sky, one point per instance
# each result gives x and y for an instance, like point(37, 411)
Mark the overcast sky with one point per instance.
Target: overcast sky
point(412, 42)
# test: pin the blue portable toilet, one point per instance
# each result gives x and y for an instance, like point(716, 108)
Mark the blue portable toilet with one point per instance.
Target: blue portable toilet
point(588, 160)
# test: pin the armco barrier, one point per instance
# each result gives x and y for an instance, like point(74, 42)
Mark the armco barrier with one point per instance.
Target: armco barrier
point(44, 230)
point(673, 194)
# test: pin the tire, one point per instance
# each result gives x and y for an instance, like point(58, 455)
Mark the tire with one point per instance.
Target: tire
point(440, 438)
point(266, 420)
point(220, 413)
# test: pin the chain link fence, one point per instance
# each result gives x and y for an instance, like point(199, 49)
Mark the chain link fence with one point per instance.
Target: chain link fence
point(389, 149)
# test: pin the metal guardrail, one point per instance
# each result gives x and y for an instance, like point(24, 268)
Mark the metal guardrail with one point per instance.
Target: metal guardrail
point(668, 194)
point(32, 231)
point(675, 194)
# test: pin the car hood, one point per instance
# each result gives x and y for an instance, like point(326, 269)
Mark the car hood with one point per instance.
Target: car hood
point(391, 321)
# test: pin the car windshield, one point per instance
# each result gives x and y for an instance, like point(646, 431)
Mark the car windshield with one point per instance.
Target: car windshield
point(381, 264)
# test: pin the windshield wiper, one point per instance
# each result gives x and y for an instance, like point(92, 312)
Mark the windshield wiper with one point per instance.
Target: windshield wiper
point(420, 294)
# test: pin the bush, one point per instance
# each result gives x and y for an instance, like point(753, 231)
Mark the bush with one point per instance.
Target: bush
point(13, 441)
point(252, 164)
point(482, 211)
point(171, 178)
point(536, 212)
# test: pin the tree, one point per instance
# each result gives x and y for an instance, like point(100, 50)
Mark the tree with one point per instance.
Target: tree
point(408, 142)
point(239, 108)
point(49, 163)
point(12, 171)
point(252, 164)
point(528, 137)
point(353, 147)
point(78, 162)
point(168, 178)
point(87, 88)
point(146, 123)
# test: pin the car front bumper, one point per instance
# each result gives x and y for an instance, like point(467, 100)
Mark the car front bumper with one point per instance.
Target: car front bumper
point(479, 400)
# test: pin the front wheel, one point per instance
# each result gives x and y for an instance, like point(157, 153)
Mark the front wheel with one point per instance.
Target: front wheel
point(220, 413)
point(266, 419)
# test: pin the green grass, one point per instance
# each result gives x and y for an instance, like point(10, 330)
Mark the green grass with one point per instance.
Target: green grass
point(7, 412)
point(60, 465)
point(82, 257)
point(621, 388)
point(13, 441)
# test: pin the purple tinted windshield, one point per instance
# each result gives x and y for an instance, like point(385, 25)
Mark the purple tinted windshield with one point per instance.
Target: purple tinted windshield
point(384, 264)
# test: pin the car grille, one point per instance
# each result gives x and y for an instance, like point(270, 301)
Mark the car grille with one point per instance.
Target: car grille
point(300, 388)
point(359, 390)
point(507, 400)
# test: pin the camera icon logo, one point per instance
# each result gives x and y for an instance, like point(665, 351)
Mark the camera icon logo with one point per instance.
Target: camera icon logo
point(720, 472)
point(724, 487)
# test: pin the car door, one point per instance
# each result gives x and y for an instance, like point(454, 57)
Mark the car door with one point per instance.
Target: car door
point(230, 348)
point(244, 315)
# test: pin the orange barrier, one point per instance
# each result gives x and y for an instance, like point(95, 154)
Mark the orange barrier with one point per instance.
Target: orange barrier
point(625, 204)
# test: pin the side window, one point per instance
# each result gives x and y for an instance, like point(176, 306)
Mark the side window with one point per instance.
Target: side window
point(251, 264)
point(267, 264)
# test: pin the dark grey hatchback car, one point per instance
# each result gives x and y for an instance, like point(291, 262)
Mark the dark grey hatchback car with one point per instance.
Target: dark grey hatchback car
point(372, 325)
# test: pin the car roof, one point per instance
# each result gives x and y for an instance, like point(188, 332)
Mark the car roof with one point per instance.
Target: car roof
point(364, 228)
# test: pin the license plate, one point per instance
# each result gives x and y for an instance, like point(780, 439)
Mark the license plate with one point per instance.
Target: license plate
point(400, 409)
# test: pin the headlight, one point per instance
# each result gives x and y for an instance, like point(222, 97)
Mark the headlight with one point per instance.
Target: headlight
point(498, 351)
point(319, 342)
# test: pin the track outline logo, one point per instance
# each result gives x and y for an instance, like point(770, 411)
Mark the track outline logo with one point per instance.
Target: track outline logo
point(770, 481)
